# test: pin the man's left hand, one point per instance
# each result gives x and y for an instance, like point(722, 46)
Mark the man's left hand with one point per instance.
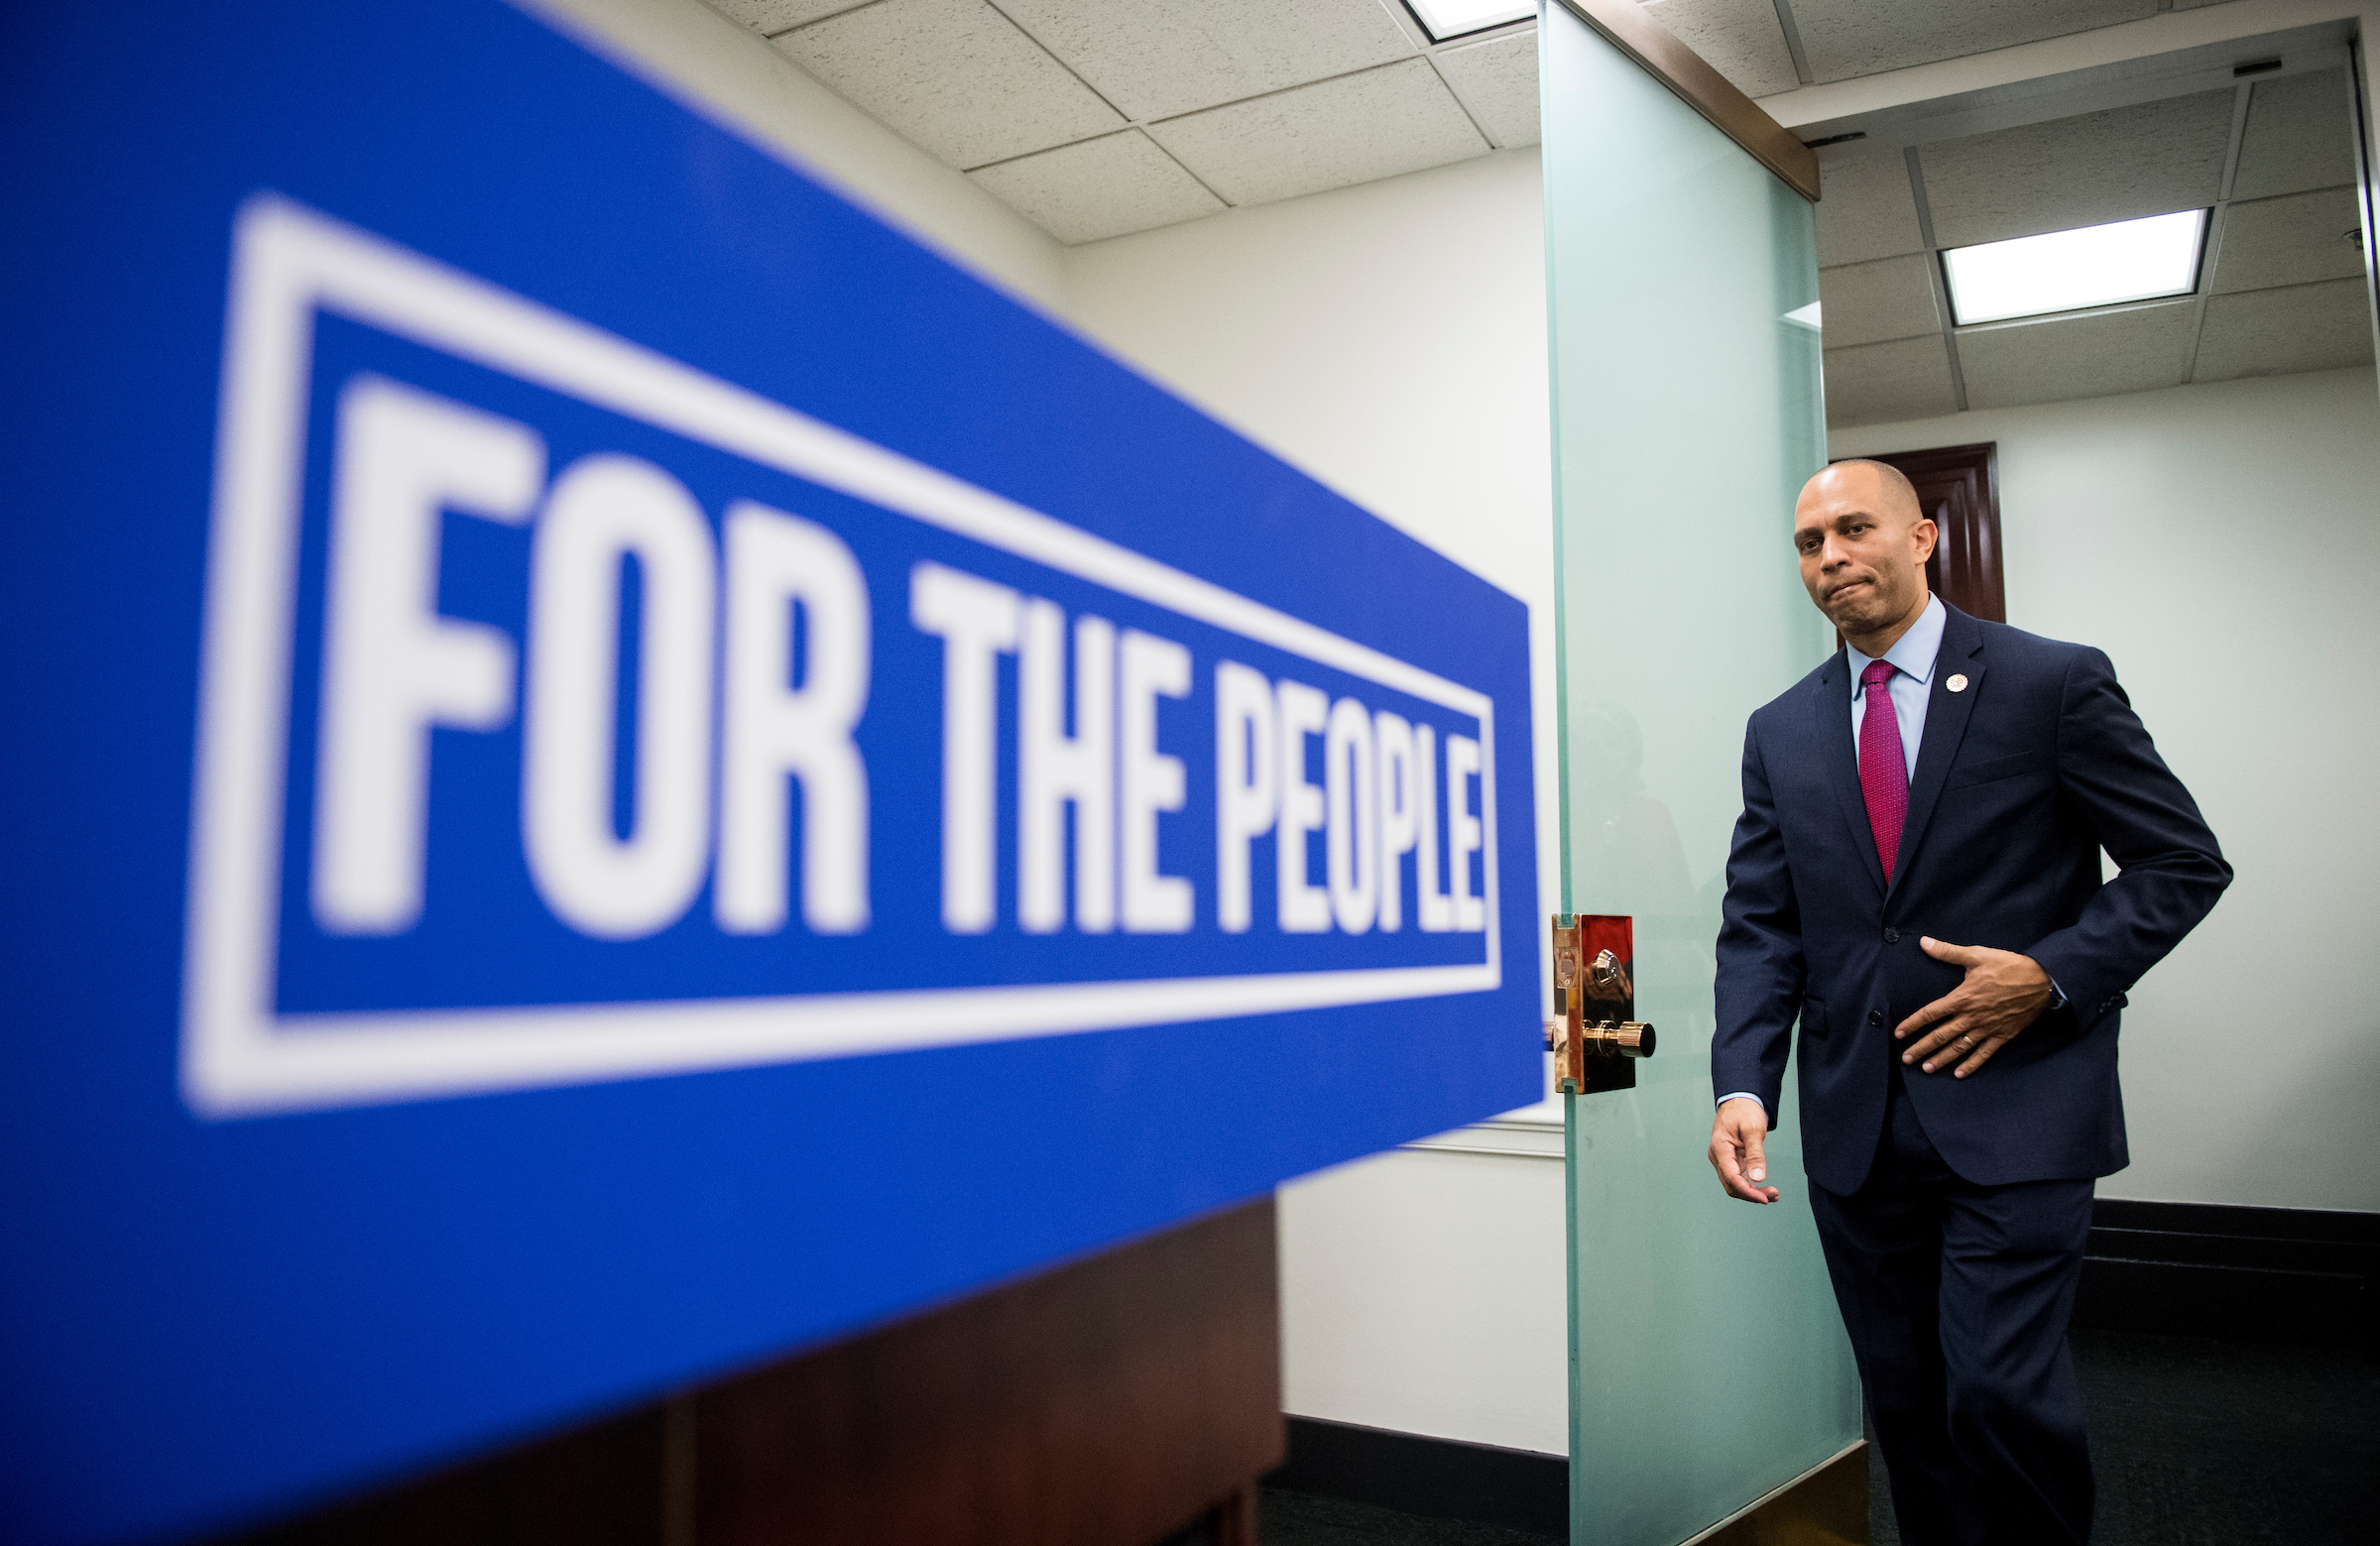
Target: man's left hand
point(2003, 994)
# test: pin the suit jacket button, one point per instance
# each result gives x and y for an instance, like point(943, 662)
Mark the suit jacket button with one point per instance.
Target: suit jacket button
point(1892, 936)
point(1875, 1017)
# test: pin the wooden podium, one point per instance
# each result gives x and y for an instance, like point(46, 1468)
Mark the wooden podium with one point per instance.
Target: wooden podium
point(1129, 1399)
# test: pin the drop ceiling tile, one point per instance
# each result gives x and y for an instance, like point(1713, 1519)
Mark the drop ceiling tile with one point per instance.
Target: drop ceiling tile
point(1846, 37)
point(771, 17)
point(2058, 359)
point(1866, 209)
point(1497, 81)
point(1880, 382)
point(2297, 136)
point(1870, 302)
point(1096, 188)
point(1741, 39)
point(1332, 133)
point(2295, 240)
point(954, 78)
point(2270, 333)
point(1156, 59)
point(2145, 160)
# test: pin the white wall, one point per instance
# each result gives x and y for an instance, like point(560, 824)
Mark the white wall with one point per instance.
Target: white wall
point(1389, 340)
point(2222, 544)
point(1422, 1291)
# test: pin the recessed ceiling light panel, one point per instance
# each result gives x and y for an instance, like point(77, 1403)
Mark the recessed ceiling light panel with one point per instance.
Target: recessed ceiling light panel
point(1444, 19)
point(2069, 271)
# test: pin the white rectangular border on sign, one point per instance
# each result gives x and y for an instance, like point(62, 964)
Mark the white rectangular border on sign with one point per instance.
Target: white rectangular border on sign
point(240, 1057)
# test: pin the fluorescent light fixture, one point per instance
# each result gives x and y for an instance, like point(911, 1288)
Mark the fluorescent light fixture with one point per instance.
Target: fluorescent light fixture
point(2068, 270)
point(1444, 19)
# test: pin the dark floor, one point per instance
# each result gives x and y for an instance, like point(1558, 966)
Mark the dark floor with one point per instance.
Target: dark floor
point(2197, 1443)
point(1303, 1519)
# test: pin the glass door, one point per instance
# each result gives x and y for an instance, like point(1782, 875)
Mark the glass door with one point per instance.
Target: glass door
point(1708, 1363)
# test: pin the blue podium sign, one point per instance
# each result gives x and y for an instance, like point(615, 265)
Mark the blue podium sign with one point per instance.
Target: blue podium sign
point(616, 770)
point(724, 670)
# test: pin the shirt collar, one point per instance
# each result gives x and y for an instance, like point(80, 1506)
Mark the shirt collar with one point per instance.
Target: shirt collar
point(1912, 653)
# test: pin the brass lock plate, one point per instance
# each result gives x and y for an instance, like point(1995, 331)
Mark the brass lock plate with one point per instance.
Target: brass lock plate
point(1594, 1034)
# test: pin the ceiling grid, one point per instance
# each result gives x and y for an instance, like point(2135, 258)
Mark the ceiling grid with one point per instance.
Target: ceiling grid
point(2267, 153)
point(1933, 274)
point(1476, 122)
point(1099, 118)
point(1149, 112)
point(1793, 44)
point(2216, 222)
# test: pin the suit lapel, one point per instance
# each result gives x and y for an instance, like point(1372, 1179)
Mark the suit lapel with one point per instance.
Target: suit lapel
point(1947, 714)
point(1832, 703)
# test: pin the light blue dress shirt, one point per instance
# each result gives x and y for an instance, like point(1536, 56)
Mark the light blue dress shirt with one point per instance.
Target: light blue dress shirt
point(1911, 685)
point(1912, 682)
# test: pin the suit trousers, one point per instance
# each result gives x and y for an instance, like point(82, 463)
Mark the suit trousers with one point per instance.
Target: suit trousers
point(1957, 1298)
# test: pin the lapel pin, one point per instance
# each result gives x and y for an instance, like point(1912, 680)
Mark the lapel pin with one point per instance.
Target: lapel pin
point(1956, 684)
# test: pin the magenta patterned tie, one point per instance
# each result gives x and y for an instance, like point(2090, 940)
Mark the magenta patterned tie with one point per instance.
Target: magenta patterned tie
point(1884, 776)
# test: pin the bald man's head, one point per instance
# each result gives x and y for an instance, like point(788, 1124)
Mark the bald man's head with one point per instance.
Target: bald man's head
point(1896, 490)
point(1863, 539)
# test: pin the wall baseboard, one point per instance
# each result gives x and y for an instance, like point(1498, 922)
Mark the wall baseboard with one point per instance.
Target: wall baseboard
point(2252, 1274)
point(1441, 1478)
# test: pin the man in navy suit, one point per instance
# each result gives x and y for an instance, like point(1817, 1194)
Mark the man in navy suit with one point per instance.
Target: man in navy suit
point(1916, 877)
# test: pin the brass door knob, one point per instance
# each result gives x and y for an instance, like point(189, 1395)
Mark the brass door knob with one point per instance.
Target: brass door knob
point(1626, 1040)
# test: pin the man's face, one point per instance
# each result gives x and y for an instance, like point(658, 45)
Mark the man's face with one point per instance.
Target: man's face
point(1864, 548)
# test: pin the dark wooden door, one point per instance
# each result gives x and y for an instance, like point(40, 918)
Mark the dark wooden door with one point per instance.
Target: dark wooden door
point(1958, 486)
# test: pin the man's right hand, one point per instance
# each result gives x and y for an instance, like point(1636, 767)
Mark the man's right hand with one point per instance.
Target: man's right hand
point(1736, 1134)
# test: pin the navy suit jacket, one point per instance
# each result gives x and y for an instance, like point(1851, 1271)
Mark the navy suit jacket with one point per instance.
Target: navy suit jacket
point(2021, 780)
